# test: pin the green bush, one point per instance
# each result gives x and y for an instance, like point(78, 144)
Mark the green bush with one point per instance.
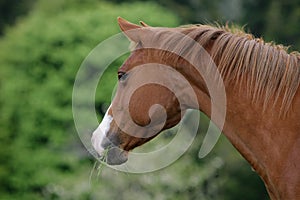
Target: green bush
point(39, 59)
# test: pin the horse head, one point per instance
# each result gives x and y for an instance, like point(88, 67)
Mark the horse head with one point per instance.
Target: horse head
point(145, 103)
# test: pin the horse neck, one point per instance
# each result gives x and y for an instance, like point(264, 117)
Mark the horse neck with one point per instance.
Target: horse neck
point(268, 142)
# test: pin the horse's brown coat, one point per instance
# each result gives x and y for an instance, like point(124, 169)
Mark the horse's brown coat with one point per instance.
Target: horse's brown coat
point(262, 90)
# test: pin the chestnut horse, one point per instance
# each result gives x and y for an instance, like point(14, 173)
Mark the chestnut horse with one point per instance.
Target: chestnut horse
point(261, 81)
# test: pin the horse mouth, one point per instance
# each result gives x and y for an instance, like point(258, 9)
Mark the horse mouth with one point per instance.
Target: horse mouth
point(108, 151)
point(116, 156)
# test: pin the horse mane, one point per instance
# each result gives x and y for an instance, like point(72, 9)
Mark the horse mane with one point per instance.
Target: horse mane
point(269, 71)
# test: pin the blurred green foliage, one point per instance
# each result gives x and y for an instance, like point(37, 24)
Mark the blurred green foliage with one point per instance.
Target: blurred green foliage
point(42, 53)
point(11, 10)
point(41, 156)
point(274, 20)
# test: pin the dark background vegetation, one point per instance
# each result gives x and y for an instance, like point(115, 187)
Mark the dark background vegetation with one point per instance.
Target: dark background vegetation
point(42, 46)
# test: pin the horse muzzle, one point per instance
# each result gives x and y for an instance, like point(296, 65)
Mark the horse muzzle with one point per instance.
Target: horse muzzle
point(113, 154)
point(107, 145)
point(108, 150)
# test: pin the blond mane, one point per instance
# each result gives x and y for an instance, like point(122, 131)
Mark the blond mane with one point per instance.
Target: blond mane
point(270, 73)
point(268, 70)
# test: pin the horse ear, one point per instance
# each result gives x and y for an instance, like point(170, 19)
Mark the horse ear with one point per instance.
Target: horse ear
point(144, 24)
point(126, 26)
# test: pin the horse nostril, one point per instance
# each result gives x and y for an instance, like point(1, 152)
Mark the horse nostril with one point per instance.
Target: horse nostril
point(106, 143)
point(110, 141)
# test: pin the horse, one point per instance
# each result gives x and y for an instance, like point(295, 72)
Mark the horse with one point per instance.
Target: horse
point(262, 96)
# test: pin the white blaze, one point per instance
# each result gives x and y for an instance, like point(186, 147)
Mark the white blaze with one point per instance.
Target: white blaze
point(100, 133)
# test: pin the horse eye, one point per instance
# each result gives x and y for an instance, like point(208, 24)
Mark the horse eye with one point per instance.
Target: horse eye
point(122, 76)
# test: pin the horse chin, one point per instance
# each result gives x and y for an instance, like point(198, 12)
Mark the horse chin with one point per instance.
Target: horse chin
point(116, 156)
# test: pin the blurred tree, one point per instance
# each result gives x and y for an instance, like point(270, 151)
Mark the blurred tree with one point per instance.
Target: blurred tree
point(10, 10)
point(282, 22)
point(274, 20)
point(38, 64)
point(200, 11)
point(254, 14)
